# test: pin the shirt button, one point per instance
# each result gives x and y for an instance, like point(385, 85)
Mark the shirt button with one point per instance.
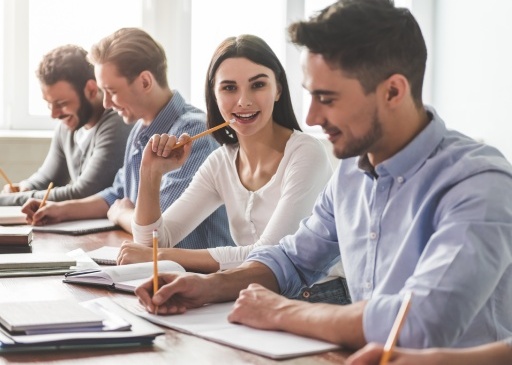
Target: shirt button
point(373, 235)
point(400, 179)
point(368, 285)
point(306, 294)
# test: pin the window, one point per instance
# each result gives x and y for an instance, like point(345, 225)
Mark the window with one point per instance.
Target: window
point(189, 30)
point(464, 67)
point(37, 26)
point(40, 25)
point(231, 18)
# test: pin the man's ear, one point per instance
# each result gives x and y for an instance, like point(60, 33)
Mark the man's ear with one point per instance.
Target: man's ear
point(146, 80)
point(91, 89)
point(396, 88)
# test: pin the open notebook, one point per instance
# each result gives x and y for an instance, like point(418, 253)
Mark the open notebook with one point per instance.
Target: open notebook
point(124, 278)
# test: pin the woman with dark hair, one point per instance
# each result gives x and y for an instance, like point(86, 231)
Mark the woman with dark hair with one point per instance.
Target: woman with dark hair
point(267, 172)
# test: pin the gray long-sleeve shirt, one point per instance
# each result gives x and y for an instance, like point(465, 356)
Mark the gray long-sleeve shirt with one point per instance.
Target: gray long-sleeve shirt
point(77, 173)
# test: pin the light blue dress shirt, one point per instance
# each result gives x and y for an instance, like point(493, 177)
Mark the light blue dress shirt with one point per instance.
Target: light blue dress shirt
point(437, 220)
point(176, 118)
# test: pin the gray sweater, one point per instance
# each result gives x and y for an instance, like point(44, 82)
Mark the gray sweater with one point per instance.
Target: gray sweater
point(75, 173)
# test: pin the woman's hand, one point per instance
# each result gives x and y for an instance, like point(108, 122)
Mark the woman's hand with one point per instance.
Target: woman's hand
point(132, 252)
point(159, 157)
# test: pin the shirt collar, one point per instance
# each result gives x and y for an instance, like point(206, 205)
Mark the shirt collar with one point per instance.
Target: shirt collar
point(169, 114)
point(408, 160)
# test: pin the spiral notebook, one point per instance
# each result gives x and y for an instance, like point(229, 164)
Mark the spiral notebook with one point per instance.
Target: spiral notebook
point(78, 227)
point(106, 255)
point(211, 322)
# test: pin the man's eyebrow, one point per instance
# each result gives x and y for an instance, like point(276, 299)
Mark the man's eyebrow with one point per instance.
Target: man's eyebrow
point(323, 92)
point(319, 91)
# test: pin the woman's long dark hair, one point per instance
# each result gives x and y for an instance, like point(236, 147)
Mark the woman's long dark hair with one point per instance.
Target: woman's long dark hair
point(258, 51)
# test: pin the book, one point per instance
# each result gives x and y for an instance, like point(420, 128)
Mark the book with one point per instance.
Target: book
point(210, 322)
point(78, 227)
point(12, 215)
point(27, 264)
point(48, 316)
point(15, 236)
point(15, 249)
point(106, 255)
point(124, 277)
point(139, 333)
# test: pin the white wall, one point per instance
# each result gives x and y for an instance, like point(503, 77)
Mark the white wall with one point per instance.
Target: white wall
point(472, 76)
point(21, 153)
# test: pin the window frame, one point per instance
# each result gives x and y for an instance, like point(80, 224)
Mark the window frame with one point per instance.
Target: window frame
point(169, 22)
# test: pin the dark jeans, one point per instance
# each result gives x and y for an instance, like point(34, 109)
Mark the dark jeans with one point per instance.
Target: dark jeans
point(333, 292)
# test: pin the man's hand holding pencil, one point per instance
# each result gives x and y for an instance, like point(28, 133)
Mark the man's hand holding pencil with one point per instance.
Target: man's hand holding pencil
point(37, 216)
point(41, 212)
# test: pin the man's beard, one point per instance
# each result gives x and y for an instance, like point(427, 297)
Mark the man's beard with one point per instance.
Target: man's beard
point(85, 112)
point(361, 145)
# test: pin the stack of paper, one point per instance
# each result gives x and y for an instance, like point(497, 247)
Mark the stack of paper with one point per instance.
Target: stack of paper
point(33, 264)
point(129, 330)
point(51, 316)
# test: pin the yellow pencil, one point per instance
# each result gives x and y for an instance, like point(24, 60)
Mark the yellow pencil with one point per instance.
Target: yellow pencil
point(211, 130)
point(9, 182)
point(43, 202)
point(155, 264)
point(395, 330)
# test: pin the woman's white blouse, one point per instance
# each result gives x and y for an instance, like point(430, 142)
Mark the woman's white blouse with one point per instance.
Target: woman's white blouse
point(256, 218)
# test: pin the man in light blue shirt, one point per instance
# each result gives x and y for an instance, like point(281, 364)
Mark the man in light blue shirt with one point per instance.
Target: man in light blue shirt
point(413, 206)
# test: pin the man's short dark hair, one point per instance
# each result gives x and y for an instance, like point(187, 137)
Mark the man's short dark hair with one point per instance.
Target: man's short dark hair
point(66, 63)
point(368, 39)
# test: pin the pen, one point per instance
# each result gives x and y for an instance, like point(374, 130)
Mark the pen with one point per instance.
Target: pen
point(9, 182)
point(43, 202)
point(81, 272)
point(155, 264)
point(211, 130)
point(395, 330)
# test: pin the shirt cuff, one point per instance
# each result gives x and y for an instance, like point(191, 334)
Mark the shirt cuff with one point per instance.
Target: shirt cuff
point(144, 234)
point(274, 257)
